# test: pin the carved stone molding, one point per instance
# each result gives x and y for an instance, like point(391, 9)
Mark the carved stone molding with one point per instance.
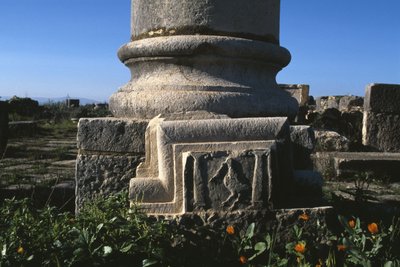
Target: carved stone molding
point(214, 164)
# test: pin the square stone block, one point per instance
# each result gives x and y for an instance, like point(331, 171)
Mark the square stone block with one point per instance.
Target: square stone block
point(101, 175)
point(215, 164)
point(298, 91)
point(111, 135)
point(382, 98)
point(303, 143)
point(381, 131)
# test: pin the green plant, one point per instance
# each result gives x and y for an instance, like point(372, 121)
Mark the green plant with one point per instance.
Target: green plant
point(354, 246)
point(29, 237)
point(362, 182)
point(370, 244)
point(111, 231)
point(106, 232)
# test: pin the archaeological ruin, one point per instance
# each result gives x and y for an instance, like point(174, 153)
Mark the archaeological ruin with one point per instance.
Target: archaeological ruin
point(202, 129)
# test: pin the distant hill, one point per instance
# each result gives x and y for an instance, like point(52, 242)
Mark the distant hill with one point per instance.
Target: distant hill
point(46, 100)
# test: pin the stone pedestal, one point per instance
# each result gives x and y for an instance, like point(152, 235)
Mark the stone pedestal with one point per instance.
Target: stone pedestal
point(222, 144)
point(218, 56)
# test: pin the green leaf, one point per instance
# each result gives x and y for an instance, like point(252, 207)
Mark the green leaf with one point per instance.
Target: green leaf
point(388, 264)
point(297, 231)
point(268, 239)
point(250, 231)
point(260, 247)
point(149, 262)
point(363, 240)
point(99, 227)
point(113, 219)
point(126, 249)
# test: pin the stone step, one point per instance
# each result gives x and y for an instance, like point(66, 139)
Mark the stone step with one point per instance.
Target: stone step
point(381, 165)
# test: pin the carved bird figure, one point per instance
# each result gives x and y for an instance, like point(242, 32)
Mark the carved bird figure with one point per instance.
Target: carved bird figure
point(234, 181)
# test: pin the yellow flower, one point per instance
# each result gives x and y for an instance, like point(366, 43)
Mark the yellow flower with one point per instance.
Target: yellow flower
point(300, 247)
point(242, 259)
point(352, 223)
point(373, 228)
point(230, 230)
point(341, 247)
point(304, 217)
point(20, 250)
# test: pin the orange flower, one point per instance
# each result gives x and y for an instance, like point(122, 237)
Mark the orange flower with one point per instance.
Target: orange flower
point(304, 217)
point(319, 263)
point(373, 228)
point(230, 230)
point(352, 223)
point(242, 259)
point(20, 250)
point(300, 247)
point(341, 247)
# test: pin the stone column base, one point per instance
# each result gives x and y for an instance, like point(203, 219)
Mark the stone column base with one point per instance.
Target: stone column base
point(220, 74)
point(257, 149)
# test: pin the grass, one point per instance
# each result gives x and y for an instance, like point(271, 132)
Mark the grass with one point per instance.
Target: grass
point(108, 232)
point(60, 130)
point(34, 160)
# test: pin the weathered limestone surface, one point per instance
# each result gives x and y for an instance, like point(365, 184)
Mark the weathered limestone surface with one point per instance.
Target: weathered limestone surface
point(342, 103)
point(101, 175)
point(299, 91)
point(330, 141)
point(303, 143)
point(384, 166)
point(258, 19)
point(351, 102)
point(381, 122)
point(3, 127)
point(111, 135)
point(224, 75)
point(215, 164)
point(327, 102)
point(382, 98)
point(217, 56)
point(109, 151)
point(282, 219)
point(381, 131)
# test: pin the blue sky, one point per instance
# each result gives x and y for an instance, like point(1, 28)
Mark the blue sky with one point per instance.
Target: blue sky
point(51, 48)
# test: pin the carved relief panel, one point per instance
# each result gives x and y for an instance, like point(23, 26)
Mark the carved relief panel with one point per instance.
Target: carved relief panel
point(228, 180)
